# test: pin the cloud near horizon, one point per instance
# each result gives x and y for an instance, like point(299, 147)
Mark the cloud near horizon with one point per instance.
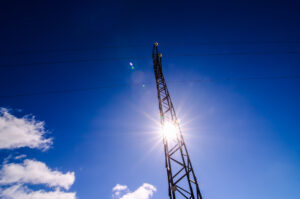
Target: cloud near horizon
point(22, 192)
point(35, 172)
point(22, 132)
point(145, 191)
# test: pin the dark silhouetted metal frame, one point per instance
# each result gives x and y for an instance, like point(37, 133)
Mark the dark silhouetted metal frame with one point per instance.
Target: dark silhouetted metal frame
point(182, 181)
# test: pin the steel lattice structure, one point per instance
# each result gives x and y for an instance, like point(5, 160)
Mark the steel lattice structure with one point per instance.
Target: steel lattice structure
point(182, 181)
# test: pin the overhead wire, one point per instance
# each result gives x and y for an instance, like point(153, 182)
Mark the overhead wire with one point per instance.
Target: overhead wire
point(180, 44)
point(144, 57)
point(70, 61)
point(74, 90)
point(234, 53)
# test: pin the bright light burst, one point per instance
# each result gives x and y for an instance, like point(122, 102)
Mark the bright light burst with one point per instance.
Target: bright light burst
point(170, 131)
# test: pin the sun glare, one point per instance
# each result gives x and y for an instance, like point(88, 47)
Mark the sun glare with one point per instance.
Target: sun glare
point(170, 130)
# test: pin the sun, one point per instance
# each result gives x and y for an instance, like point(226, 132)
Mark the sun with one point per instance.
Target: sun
point(170, 131)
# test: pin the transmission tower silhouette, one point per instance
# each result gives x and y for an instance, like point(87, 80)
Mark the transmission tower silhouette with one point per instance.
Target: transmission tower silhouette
point(182, 180)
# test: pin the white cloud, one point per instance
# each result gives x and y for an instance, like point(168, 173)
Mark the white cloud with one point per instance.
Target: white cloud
point(22, 192)
point(119, 187)
point(145, 191)
point(21, 132)
point(27, 132)
point(35, 172)
point(20, 156)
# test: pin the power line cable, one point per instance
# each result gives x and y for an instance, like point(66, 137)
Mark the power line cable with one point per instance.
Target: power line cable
point(180, 44)
point(72, 61)
point(68, 50)
point(234, 53)
point(74, 90)
point(239, 78)
point(144, 57)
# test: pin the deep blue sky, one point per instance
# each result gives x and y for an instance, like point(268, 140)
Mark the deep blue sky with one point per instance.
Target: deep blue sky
point(242, 135)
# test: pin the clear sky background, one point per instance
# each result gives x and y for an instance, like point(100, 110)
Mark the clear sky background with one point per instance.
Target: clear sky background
point(242, 133)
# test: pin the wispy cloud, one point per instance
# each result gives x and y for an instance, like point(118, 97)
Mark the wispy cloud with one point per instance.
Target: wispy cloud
point(35, 172)
point(118, 189)
point(22, 192)
point(20, 157)
point(21, 132)
point(145, 191)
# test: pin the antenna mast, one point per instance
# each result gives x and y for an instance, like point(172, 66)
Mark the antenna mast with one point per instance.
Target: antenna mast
point(182, 181)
